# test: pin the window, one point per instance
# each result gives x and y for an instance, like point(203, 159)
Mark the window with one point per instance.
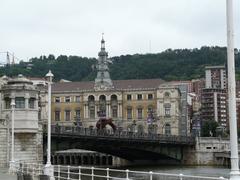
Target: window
point(57, 99)
point(77, 98)
point(139, 113)
point(114, 112)
point(20, 102)
point(77, 112)
point(57, 115)
point(129, 113)
point(92, 112)
point(31, 103)
point(129, 97)
point(7, 103)
point(67, 99)
point(167, 94)
point(167, 107)
point(167, 111)
point(139, 97)
point(168, 129)
point(150, 96)
point(150, 109)
point(67, 115)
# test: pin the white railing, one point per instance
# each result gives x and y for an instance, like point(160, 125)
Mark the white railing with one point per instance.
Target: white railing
point(93, 173)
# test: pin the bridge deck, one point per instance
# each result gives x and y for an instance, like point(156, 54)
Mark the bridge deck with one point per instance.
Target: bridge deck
point(88, 133)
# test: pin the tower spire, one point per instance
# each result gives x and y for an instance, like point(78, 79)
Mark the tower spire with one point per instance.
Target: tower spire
point(102, 42)
point(103, 80)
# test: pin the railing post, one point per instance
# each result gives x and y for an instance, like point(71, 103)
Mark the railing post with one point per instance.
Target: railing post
point(68, 172)
point(127, 174)
point(79, 172)
point(59, 172)
point(107, 173)
point(150, 175)
point(92, 173)
point(180, 176)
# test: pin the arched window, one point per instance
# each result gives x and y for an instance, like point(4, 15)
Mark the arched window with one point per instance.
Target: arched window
point(102, 104)
point(168, 129)
point(166, 94)
point(91, 105)
point(114, 106)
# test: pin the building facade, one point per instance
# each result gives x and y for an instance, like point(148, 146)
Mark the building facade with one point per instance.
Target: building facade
point(27, 122)
point(214, 96)
point(151, 105)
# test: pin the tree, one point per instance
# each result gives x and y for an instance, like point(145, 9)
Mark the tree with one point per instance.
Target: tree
point(209, 128)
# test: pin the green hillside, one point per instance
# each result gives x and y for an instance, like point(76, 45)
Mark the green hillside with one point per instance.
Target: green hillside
point(179, 64)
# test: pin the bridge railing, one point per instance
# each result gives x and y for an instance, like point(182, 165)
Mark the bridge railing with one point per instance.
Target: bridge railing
point(74, 130)
point(92, 173)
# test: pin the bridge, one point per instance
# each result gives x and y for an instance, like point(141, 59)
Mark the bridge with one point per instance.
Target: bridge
point(131, 146)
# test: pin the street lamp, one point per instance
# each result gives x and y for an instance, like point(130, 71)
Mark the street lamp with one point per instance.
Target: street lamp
point(48, 167)
point(12, 141)
point(234, 174)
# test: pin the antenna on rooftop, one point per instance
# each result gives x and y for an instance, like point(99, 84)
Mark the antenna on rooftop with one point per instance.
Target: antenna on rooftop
point(8, 58)
point(13, 59)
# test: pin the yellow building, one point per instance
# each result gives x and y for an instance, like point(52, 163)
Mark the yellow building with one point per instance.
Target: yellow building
point(147, 105)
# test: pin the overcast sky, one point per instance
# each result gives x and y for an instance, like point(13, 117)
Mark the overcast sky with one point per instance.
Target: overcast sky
point(32, 28)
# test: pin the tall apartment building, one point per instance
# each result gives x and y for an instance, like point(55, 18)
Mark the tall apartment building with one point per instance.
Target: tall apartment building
point(215, 77)
point(214, 96)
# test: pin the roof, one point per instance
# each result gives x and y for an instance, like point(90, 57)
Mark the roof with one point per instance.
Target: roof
point(215, 67)
point(118, 85)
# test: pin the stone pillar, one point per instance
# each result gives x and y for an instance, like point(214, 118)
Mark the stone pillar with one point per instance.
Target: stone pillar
point(96, 110)
point(87, 111)
point(107, 109)
point(26, 102)
point(70, 159)
point(84, 111)
point(120, 111)
point(36, 104)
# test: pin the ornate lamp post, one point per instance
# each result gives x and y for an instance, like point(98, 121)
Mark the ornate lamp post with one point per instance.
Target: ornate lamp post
point(48, 167)
point(234, 174)
point(12, 141)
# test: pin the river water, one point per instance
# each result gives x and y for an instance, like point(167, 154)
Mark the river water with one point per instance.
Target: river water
point(215, 171)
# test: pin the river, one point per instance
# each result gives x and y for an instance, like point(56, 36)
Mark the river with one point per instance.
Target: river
point(215, 171)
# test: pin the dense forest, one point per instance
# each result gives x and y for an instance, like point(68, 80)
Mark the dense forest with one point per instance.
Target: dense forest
point(179, 64)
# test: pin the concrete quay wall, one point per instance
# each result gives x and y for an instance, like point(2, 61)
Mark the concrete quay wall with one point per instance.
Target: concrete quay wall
point(204, 152)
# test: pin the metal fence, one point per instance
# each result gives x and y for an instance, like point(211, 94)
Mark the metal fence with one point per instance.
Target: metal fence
point(92, 173)
point(120, 134)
